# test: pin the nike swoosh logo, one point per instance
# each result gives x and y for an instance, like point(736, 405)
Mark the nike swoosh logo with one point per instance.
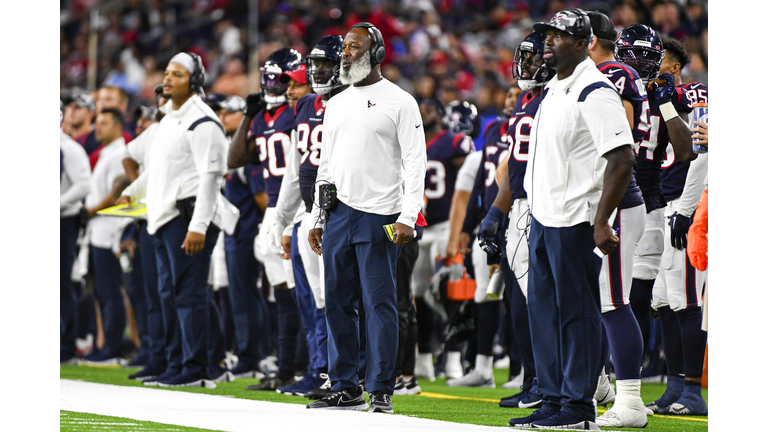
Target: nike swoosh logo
point(618, 133)
point(693, 86)
point(418, 126)
point(614, 70)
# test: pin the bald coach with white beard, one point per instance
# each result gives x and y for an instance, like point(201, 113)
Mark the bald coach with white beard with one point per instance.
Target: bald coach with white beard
point(374, 152)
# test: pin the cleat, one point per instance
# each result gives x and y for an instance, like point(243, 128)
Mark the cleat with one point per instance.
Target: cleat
point(627, 411)
point(532, 398)
point(472, 379)
point(689, 404)
point(219, 374)
point(515, 382)
point(605, 393)
point(407, 386)
point(380, 402)
point(673, 392)
point(562, 420)
point(453, 368)
point(244, 370)
point(424, 367)
point(341, 400)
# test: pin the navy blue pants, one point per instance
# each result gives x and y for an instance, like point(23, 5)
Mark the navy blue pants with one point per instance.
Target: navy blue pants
point(155, 323)
point(137, 294)
point(68, 228)
point(249, 309)
point(108, 279)
point(189, 282)
point(216, 351)
point(315, 326)
point(360, 261)
point(564, 313)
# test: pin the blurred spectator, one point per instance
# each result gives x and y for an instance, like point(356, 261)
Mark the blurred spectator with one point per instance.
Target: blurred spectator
point(234, 81)
point(152, 77)
point(229, 38)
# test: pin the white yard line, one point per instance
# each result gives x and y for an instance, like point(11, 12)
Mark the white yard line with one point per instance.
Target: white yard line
point(232, 414)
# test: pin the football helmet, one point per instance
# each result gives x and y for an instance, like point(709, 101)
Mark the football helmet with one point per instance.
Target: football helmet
point(534, 44)
point(320, 78)
point(282, 60)
point(463, 118)
point(640, 47)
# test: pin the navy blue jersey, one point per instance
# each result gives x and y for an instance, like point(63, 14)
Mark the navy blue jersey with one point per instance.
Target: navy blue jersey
point(242, 186)
point(310, 114)
point(496, 148)
point(273, 136)
point(675, 172)
point(518, 135)
point(440, 180)
point(631, 89)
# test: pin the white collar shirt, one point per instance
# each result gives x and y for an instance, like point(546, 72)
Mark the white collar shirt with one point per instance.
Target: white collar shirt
point(182, 149)
point(105, 231)
point(76, 167)
point(580, 119)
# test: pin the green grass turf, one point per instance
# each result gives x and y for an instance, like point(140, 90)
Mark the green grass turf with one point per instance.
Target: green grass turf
point(455, 410)
point(75, 421)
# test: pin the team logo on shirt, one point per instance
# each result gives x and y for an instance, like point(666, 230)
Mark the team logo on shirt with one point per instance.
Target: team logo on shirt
point(370, 104)
point(271, 123)
point(320, 111)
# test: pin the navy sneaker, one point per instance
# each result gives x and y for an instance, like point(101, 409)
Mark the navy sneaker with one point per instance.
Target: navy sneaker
point(321, 391)
point(219, 374)
point(103, 358)
point(310, 382)
point(141, 360)
point(148, 372)
point(527, 422)
point(289, 388)
point(271, 384)
point(341, 400)
point(168, 373)
point(562, 420)
point(689, 404)
point(247, 370)
point(188, 380)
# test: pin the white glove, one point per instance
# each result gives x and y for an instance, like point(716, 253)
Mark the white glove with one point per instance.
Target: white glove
point(275, 236)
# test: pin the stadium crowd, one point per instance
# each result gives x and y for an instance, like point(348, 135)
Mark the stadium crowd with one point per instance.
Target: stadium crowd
point(224, 276)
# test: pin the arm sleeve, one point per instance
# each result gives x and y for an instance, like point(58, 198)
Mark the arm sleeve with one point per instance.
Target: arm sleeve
point(606, 119)
point(290, 192)
point(697, 235)
point(138, 189)
point(413, 148)
point(75, 193)
point(205, 204)
point(465, 179)
point(137, 147)
point(695, 182)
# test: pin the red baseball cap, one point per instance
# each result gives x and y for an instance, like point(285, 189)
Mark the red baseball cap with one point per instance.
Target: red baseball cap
point(299, 75)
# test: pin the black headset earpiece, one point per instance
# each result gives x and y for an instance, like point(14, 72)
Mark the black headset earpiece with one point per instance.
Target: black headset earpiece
point(196, 78)
point(583, 25)
point(378, 53)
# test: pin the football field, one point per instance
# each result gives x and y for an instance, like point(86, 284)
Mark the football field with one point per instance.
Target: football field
point(120, 404)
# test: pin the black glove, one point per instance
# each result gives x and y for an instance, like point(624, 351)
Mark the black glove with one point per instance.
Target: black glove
point(680, 225)
point(254, 103)
point(663, 93)
point(488, 230)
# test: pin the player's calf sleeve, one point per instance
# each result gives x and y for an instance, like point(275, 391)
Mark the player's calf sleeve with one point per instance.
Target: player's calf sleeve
point(671, 338)
point(694, 341)
point(626, 342)
point(640, 300)
point(288, 324)
point(487, 326)
point(424, 318)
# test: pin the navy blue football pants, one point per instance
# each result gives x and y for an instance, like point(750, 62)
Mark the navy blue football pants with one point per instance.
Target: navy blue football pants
point(108, 279)
point(249, 309)
point(360, 261)
point(315, 326)
point(192, 296)
point(136, 290)
point(154, 311)
point(68, 228)
point(564, 313)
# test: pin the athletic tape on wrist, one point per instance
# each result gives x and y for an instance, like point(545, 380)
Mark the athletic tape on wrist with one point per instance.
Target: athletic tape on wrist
point(668, 111)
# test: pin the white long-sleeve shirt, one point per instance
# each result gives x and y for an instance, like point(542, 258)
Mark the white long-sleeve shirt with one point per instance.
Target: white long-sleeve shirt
point(186, 159)
point(105, 231)
point(75, 183)
point(374, 151)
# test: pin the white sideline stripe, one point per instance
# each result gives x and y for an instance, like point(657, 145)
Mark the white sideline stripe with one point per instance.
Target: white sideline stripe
point(232, 414)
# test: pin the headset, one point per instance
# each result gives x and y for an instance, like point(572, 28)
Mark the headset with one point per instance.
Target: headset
point(583, 28)
point(197, 77)
point(377, 47)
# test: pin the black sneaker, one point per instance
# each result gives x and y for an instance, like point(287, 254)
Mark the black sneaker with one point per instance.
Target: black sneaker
point(527, 422)
point(381, 402)
point(321, 391)
point(270, 384)
point(341, 400)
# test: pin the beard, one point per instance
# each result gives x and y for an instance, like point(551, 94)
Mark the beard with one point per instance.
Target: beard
point(358, 70)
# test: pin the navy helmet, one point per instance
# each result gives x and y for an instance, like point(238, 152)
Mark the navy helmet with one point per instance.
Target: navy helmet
point(463, 118)
point(214, 100)
point(640, 47)
point(320, 76)
point(534, 44)
point(282, 60)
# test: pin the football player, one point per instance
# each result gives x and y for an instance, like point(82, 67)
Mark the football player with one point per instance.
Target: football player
point(262, 138)
point(532, 76)
point(640, 47)
point(621, 331)
point(446, 151)
point(322, 75)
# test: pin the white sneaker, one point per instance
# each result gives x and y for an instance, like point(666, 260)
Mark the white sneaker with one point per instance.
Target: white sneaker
point(424, 367)
point(516, 382)
point(472, 379)
point(453, 367)
point(502, 363)
point(628, 411)
point(407, 386)
point(605, 393)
